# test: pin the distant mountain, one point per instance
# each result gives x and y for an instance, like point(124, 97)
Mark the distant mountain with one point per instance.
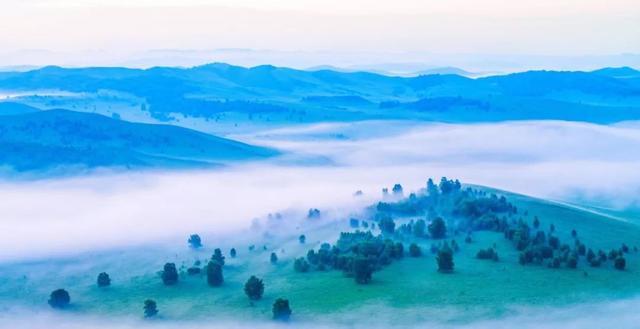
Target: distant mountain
point(618, 72)
point(11, 108)
point(60, 138)
point(284, 94)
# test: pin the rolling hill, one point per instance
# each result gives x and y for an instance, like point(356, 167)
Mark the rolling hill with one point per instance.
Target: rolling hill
point(282, 94)
point(60, 138)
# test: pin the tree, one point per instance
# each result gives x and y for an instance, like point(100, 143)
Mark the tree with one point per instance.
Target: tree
point(432, 188)
point(233, 253)
point(214, 274)
point(445, 260)
point(104, 280)
point(170, 274)
point(194, 241)
point(572, 262)
point(437, 228)
point(217, 256)
point(301, 265)
point(414, 250)
point(397, 190)
point(362, 270)
point(254, 288)
point(274, 258)
point(536, 223)
point(302, 238)
point(150, 308)
point(281, 309)
point(620, 263)
point(419, 228)
point(387, 225)
point(59, 298)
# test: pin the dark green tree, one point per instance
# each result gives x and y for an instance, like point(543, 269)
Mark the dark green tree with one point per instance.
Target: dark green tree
point(362, 270)
point(195, 241)
point(104, 280)
point(214, 274)
point(59, 298)
point(254, 288)
point(273, 258)
point(414, 250)
point(301, 265)
point(302, 238)
point(281, 309)
point(150, 308)
point(387, 225)
point(419, 228)
point(438, 228)
point(217, 256)
point(170, 274)
point(445, 260)
point(233, 253)
point(620, 263)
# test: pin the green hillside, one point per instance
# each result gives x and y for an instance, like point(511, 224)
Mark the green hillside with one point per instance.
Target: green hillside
point(412, 287)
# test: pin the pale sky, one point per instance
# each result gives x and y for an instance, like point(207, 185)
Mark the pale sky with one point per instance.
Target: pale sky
point(76, 29)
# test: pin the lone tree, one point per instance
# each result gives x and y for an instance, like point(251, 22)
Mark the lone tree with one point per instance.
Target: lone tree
point(194, 241)
point(620, 263)
point(438, 228)
point(281, 309)
point(214, 274)
point(217, 256)
point(445, 260)
point(254, 288)
point(104, 280)
point(59, 298)
point(150, 308)
point(233, 252)
point(302, 238)
point(362, 270)
point(170, 274)
point(414, 250)
point(274, 258)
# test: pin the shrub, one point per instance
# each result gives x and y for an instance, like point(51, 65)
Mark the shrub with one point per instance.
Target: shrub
point(150, 308)
point(104, 280)
point(59, 298)
point(194, 270)
point(281, 309)
point(170, 274)
point(254, 288)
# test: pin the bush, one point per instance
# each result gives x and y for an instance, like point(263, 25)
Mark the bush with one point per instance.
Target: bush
point(620, 263)
point(195, 241)
point(254, 288)
point(194, 270)
point(59, 298)
point(438, 228)
point(150, 308)
point(104, 280)
point(414, 250)
point(281, 309)
point(170, 274)
point(214, 274)
point(488, 253)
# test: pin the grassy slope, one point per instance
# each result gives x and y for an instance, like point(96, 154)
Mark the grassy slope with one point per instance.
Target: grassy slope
point(412, 286)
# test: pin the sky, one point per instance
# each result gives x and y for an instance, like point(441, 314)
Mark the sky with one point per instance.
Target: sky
point(335, 32)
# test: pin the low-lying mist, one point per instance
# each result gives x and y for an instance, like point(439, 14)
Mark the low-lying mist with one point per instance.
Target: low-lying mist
point(561, 160)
